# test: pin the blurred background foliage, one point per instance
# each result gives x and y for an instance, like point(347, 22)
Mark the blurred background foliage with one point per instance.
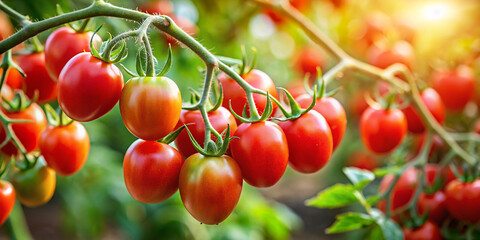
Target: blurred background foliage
point(94, 203)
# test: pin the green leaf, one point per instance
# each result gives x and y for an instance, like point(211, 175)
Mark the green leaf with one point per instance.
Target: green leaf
point(350, 221)
point(336, 196)
point(381, 172)
point(360, 178)
point(390, 229)
point(373, 200)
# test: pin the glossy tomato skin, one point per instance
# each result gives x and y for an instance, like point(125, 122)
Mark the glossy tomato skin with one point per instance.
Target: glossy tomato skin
point(232, 91)
point(88, 87)
point(433, 204)
point(428, 230)
point(402, 192)
point(463, 199)
point(363, 160)
point(37, 78)
point(13, 79)
point(220, 119)
point(34, 186)
point(63, 44)
point(210, 187)
point(434, 104)
point(382, 130)
point(150, 107)
point(400, 52)
point(65, 148)
point(151, 170)
point(456, 88)
point(308, 60)
point(309, 142)
point(28, 133)
point(261, 152)
point(7, 200)
point(332, 111)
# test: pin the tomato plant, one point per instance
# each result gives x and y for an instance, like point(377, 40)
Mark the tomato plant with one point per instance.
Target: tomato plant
point(37, 78)
point(434, 103)
point(462, 200)
point(456, 88)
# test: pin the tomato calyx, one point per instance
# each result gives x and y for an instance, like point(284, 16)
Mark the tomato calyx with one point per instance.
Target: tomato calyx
point(19, 103)
point(245, 64)
point(244, 118)
point(57, 118)
point(217, 99)
point(107, 52)
point(140, 64)
point(27, 162)
point(213, 149)
point(295, 110)
point(467, 175)
point(173, 135)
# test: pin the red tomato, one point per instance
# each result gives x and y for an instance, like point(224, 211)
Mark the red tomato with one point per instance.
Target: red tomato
point(28, 133)
point(449, 175)
point(219, 119)
point(37, 79)
point(150, 107)
point(382, 130)
point(88, 87)
point(434, 205)
point(402, 192)
point(428, 231)
point(7, 200)
point(261, 151)
point(232, 91)
point(463, 199)
point(63, 44)
point(309, 140)
point(65, 148)
point(308, 60)
point(401, 52)
point(434, 104)
point(456, 88)
point(333, 112)
point(151, 171)
point(210, 187)
point(363, 160)
point(160, 7)
point(13, 78)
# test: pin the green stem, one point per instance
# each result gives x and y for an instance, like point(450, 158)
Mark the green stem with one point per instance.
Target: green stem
point(37, 45)
point(150, 58)
point(84, 25)
point(17, 226)
point(14, 14)
point(115, 41)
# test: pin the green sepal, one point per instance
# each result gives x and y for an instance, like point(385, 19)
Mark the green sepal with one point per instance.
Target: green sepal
point(168, 63)
point(7, 62)
point(92, 47)
point(19, 103)
point(296, 111)
point(218, 93)
point(117, 54)
point(139, 66)
point(173, 135)
point(266, 112)
point(128, 71)
point(212, 149)
point(56, 118)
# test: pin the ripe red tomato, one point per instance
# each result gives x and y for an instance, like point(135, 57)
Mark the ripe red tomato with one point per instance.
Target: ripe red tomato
point(434, 104)
point(309, 140)
point(160, 7)
point(261, 151)
point(434, 205)
point(7, 200)
point(151, 171)
point(65, 148)
point(219, 119)
point(382, 130)
point(37, 79)
point(210, 187)
point(150, 107)
point(400, 52)
point(308, 60)
point(333, 112)
point(88, 87)
point(34, 186)
point(63, 44)
point(232, 91)
point(428, 231)
point(28, 133)
point(463, 199)
point(363, 160)
point(456, 88)
point(13, 78)
point(402, 192)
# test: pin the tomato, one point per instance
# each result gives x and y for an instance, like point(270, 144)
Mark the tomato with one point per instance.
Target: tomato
point(7, 200)
point(13, 79)
point(402, 192)
point(309, 140)
point(34, 186)
point(151, 171)
point(210, 187)
point(456, 88)
point(308, 60)
point(65, 148)
point(296, 88)
point(160, 7)
point(63, 44)
point(382, 130)
point(333, 112)
point(434, 104)
point(88, 87)
point(150, 107)
point(428, 231)
point(400, 52)
point(220, 119)
point(232, 91)
point(363, 160)
point(279, 18)
point(434, 205)
point(261, 151)
point(463, 199)
point(37, 79)
point(367, 31)
point(28, 133)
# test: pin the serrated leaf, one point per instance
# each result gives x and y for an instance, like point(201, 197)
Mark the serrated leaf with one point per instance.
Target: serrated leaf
point(359, 177)
point(350, 221)
point(336, 196)
point(381, 172)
